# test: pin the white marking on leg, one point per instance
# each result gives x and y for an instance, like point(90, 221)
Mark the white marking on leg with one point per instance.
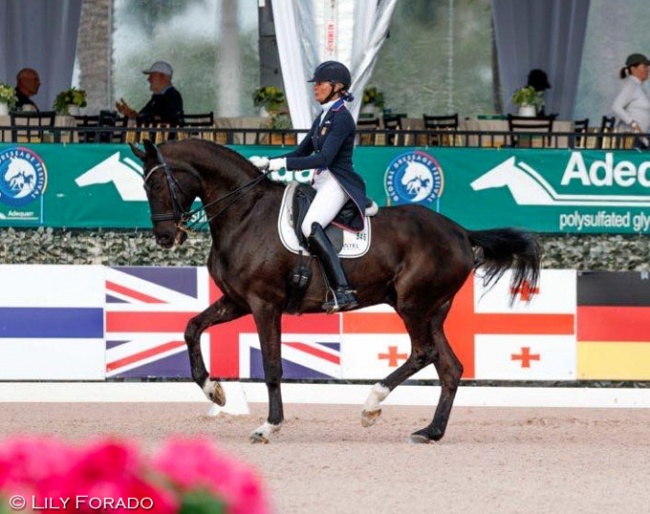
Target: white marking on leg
point(208, 388)
point(214, 392)
point(377, 395)
point(263, 433)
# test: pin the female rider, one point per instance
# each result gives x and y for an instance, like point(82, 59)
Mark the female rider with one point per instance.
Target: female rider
point(328, 150)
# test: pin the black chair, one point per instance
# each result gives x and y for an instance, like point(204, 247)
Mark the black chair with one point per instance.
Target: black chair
point(202, 121)
point(367, 131)
point(523, 130)
point(31, 126)
point(580, 130)
point(447, 122)
point(607, 125)
point(393, 124)
point(104, 120)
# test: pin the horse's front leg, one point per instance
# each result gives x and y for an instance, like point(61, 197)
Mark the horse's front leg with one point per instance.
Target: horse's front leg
point(268, 322)
point(221, 311)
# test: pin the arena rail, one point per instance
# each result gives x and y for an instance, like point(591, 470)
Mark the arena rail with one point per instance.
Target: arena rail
point(593, 139)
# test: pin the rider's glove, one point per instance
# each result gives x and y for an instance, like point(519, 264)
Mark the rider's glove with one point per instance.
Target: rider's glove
point(277, 164)
point(260, 162)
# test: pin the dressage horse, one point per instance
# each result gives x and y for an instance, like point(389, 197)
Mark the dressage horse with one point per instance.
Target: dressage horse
point(418, 261)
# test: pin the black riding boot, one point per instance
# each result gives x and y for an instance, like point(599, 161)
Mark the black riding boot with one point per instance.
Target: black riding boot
point(344, 297)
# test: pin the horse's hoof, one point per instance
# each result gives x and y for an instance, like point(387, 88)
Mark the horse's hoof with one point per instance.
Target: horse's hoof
point(218, 395)
point(369, 418)
point(418, 439)
point(258, 437)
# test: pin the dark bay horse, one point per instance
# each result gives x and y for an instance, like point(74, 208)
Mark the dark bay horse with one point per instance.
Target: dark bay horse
point(418, 261)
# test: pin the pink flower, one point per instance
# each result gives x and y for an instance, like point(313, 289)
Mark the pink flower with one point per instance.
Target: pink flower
point(34, 463)
point(196, 463)
point(112, 476)
point(115, 469)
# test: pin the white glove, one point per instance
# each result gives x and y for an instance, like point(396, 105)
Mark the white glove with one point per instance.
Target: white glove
point(259, 162)
point(277, 164)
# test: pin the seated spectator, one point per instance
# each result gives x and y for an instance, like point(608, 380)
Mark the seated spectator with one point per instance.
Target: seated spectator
point(27, 84)
point(166, 103)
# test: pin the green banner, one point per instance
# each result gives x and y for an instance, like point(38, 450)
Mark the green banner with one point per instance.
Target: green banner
point(545, 190)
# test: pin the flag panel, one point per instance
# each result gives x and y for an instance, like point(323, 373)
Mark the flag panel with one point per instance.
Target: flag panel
point(51, 322)
point(525, 357)
point(613, 361)
point(147, 311)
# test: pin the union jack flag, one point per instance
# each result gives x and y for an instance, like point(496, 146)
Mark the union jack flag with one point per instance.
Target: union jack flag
point(147, 310)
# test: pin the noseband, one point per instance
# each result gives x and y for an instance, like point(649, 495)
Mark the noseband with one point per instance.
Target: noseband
point(178, 216)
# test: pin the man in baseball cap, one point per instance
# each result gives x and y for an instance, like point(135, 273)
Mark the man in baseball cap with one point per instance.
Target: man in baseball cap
point(160, 67)
point(166, 103)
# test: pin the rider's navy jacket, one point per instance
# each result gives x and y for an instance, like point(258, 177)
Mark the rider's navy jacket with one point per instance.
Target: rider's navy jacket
point(329, 145)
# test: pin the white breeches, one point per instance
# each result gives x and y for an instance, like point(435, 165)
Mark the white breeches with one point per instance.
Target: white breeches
point(329, 199)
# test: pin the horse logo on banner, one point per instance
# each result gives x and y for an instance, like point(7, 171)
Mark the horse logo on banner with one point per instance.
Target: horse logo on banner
point(414, 178)
point(23, 177)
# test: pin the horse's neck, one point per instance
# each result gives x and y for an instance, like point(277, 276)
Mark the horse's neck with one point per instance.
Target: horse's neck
point(227, 197)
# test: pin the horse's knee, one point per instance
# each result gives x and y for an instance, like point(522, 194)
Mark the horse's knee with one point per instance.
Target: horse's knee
point(191, 330)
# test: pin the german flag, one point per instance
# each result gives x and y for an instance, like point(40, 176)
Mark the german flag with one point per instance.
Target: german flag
point(614, 326)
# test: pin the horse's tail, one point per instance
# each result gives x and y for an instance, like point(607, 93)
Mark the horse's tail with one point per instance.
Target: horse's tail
point(505, 248)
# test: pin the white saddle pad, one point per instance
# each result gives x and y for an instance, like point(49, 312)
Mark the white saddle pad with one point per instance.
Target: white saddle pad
point(355, 244)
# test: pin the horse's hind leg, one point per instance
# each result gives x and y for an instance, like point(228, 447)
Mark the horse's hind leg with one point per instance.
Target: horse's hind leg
point(422, 350)
point(221, 311)
point(449, 370)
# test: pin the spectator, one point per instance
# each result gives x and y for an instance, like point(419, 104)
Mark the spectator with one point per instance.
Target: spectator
point(539, 81)
point(166, 103)
point(27, 84)
point(632, 105)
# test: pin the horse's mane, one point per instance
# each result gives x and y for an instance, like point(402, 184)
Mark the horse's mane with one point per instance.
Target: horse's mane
point(174, 148)
point(204, 155)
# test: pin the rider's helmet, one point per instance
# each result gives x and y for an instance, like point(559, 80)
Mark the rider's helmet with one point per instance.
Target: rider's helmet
point(333, 72)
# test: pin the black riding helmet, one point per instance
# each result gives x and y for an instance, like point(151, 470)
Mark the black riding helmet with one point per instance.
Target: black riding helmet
point(334, 72)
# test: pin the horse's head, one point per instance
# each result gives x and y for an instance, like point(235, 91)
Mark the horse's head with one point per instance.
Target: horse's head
point(171, 188)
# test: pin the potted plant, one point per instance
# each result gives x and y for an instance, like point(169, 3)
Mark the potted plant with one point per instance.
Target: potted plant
point(7, 98)
point(270, 99)
point(70, 101)
point(528, 100)
point(373, 101)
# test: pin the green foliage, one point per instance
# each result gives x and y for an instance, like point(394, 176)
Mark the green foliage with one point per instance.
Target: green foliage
point(527, 96)
point(201, 502)
point(69, 97)
point(8, 95)
point(372, 96)
point(270, 97)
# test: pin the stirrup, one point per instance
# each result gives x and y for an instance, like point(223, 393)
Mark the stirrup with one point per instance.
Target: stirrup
point(342, 300)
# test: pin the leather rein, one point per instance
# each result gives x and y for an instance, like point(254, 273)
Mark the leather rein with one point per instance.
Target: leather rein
point(181, 217)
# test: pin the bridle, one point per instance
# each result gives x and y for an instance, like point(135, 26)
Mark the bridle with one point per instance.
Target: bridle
point(181, 217)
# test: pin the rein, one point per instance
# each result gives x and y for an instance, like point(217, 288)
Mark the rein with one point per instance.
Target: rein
point(179, 216)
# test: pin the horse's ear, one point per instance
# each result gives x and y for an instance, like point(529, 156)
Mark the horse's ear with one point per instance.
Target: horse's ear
point(137, 151)
point(151, 149)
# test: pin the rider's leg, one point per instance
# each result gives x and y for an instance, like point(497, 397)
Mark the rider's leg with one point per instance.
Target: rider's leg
point(329, 199)
point(344, 297)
